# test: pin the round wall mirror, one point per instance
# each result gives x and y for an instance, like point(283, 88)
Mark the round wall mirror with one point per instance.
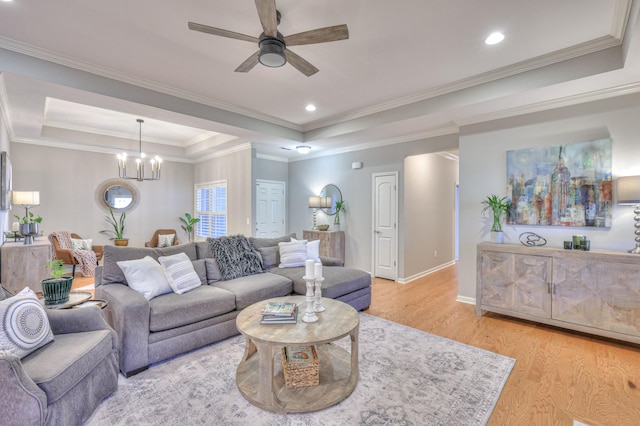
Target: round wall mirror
point(329, 195)
point(118, 195)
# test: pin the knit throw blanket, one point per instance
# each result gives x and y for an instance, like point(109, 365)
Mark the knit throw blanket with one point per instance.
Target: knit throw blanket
point(235, 256)
point(86, 258)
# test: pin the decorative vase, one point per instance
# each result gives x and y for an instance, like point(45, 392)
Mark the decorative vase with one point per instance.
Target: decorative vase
point(28, 231)
point(335, 227)
point(122, 242)
point(56, 290)
point(496, 237)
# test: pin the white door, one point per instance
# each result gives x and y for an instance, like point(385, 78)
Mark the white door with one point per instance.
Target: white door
point(270, 208)
point(385, 229)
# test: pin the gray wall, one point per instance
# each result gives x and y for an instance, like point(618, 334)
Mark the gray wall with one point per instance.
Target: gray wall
point(429, 213)
point(483, 172)
point(236, 169)
point(308, 177)
point(4, 146)
point(271, 170)
point(67, 181)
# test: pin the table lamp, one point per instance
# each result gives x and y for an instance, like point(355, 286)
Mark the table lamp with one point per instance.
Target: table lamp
point(628, 193)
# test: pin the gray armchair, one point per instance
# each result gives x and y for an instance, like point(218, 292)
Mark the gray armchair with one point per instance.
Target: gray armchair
point(64, 381)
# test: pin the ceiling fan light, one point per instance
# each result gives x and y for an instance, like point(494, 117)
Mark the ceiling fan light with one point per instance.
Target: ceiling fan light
point(272, 53)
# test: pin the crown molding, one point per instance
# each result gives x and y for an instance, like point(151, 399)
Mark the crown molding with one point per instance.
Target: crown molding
point(224, 152)
point(271, 157)
point(5, 113)
point(621, 13)
point(36, 52)
point(566, 101)
point(88, 148)
point(431, 133)
point(582, 49)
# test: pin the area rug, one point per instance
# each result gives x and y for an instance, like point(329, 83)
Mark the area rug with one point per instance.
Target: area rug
point(407, 377)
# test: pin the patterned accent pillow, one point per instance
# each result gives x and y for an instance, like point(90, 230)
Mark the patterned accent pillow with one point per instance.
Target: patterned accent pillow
point(77, 244)
point(166, 240)
point(146, 276)
point(24, 326)
point(180, 273)
point(293, 254)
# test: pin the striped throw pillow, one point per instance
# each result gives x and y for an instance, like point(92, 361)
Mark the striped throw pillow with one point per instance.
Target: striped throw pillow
point(293, 254)
point(180, 273)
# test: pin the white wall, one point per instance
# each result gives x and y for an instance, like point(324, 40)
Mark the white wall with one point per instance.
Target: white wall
point(429, 213)
point(483, 172)
point(4, 146)
point(236, 168)
point(308, 177)
point(67, 181)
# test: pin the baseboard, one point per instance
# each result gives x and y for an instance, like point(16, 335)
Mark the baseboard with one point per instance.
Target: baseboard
point(468, 300)
point(425, 273)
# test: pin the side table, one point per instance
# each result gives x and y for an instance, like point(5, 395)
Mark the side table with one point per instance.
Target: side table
point(23, 265)
point(75, 298)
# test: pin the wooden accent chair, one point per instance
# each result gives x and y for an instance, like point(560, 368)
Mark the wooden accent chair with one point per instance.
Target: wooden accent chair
point(154, 240)
point(67, 257)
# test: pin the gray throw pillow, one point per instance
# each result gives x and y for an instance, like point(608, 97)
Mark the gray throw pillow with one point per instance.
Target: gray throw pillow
point(270, 256)
point(213, 271)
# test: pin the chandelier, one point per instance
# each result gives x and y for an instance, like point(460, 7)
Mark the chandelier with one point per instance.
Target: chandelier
point(155, 163)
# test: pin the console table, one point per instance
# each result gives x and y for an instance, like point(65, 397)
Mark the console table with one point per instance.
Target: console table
point(331, 242)
point(25, 265)
point(595, 292)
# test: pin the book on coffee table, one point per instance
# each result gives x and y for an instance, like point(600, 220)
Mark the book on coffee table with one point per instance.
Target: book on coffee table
point(281, 319)
point(284, 309)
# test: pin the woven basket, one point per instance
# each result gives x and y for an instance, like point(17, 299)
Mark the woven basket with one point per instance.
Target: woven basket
point(298, 373)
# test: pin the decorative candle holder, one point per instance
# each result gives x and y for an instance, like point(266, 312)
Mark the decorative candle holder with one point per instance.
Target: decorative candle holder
point(309, 315)
point(317, 307)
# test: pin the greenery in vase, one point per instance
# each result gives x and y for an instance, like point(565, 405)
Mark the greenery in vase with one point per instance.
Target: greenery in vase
point(117, 224)
point(499, 208)
point(339, 208)
point(188, 223)
point(29, 219)
point(57, 268)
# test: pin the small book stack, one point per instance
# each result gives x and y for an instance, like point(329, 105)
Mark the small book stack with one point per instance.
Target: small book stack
point(279, 313)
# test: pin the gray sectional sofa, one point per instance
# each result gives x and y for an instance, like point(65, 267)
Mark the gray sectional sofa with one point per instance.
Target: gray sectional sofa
point(170, 324)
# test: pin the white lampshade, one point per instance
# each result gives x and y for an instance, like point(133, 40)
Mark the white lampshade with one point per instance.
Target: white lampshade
point(315, 202)
point(25, 198)
point(628, 190)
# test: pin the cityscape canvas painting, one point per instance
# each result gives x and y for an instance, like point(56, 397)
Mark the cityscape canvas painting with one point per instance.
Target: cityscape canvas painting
point(568, 185)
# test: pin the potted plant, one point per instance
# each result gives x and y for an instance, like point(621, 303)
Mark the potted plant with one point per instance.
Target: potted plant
point(188, 223)
point(57, 288)
point(118, 228)
point(499, 208)
point(29, 226)
point(340, 207)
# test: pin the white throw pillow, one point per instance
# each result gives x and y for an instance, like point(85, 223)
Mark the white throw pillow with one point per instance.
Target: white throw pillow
point(166, 240)
point(313, 250)
point(292, 254)
point(146, 276)
point(180, 273)
point(77, 244)
point(24, 326)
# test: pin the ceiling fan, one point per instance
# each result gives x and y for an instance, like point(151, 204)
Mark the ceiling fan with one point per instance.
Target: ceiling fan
point(273, 51)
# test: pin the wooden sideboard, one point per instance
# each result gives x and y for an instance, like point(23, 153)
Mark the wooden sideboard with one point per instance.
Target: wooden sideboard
point(25, 265)
point(595, 292)
point(331, 242)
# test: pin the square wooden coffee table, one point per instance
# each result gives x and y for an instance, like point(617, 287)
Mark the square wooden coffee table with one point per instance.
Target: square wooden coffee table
point(262, 383)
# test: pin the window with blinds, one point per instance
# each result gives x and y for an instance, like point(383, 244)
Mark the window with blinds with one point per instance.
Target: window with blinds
point(211, 209)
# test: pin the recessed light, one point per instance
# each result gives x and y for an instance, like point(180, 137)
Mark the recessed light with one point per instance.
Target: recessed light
point(494, 38)
point(303, 149)
point(310, 107)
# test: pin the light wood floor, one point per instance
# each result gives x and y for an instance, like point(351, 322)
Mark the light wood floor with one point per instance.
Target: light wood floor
point(559, 376)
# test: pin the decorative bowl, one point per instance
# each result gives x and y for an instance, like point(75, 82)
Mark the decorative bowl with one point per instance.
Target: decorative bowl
point(323, 227)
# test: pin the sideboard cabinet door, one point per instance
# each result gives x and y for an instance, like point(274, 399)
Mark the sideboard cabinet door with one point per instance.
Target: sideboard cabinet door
point(516, 282)
point(599, 294)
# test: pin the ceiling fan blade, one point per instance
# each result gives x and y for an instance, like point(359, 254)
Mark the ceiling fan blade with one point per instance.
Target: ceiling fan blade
point(268, 16)
point(219, 32)
point(300, 64)
point(321, 35)
point(249, 63)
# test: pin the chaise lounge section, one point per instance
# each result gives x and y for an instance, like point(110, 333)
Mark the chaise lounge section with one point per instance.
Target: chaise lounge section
point(170, 324)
